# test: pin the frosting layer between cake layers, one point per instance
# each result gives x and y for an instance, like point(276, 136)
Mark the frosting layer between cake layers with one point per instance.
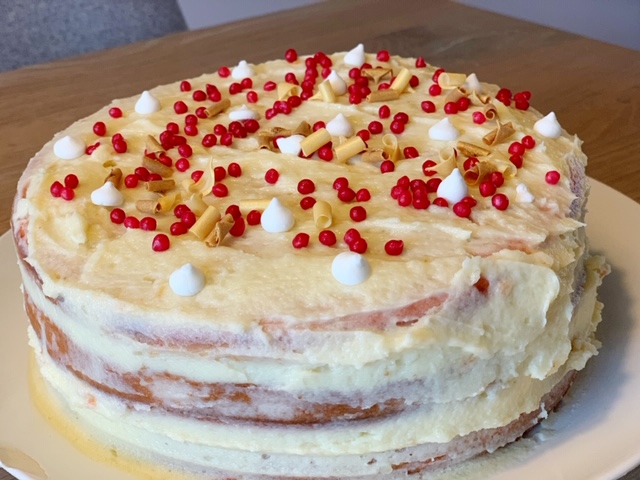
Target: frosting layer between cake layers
point(275, 367)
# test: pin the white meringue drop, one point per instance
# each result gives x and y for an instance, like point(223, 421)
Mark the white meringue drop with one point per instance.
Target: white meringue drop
point(107, 196)
point(472, 83)
point(453, 188)
point(350, 268)
point(338, 85)
point(443, 130)
point(523, 195)
point(187, 281)
point(147, 103)
point(277, 218)
point(355, 56)
point(244, 113)
point(548, 126)
point(340, 126)
point(243, 70)
point(290, 144)
point(69, 148)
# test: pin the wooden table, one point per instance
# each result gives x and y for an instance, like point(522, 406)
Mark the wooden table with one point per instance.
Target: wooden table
point(594, 88)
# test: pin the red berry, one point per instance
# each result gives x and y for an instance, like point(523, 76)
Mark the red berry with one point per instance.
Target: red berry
point(219, 173)
point(384, 111)
point(414, 81)
point(496, 178)
point(91, 148)
point(487, 188)
point(401, 117)
point(148, 223)
point(528, 142)
point(185, 150)
point(269, 86)
point(117, 215)
point(238, 227)
point(178, 228)
point(359, 246)
point(154, 177)
point(346, 194)
point(375, 127)
point(363, 195)
point(99, 128)
point(235, 88)
point(358, 213)
point(131, 222)
point(131, 181)
point(67, 193)
point(246, 83)
point(351, 236)
point(440, 202)
point(552, 177)
point(470, 162)
point(397, 127)
point(185, 86)
point(180, 107)
point(516, 160)
point(199, 96)
point(290, 77)
point(71, 181)
point(190, 130)
point(461, 209)
point(364, 134)
point(301, 240)
point(271, 176)
point(340, 183)
point(180, 210)
point(479, 118)
point(436, 74)
point(433, 184)
point(142, 173)
point(307, 202)
point(234, 169)
point(327, 237)
point(516, 148)
point(410, 152)
point(196, 175)
point(355, 98)
point(188, 218)
point(394, 247)
point(383, 56)
point(463, 104)
point(220, 190)
point(182, 165)
point(251, 125)
point(450, 108)
point(291, 55)
point(226, 139)
point(318, 125)
point(420, 62)
point(428, 106)
point(160, 243)
point(201, 112)
point(294, 101)
point(253, 217)
point(522, 104)
point(325, 153)
point(120, 146)
point(306, 186)
point(435, 90)
point(115, 112)
point(500, 201)
point(387, 166)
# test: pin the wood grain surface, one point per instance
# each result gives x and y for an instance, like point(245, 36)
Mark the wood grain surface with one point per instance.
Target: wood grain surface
point(593, 87)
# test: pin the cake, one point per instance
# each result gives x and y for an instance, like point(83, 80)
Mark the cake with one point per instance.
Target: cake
point(351, 265)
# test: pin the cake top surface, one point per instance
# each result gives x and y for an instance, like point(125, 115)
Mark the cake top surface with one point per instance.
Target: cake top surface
point(444, 178)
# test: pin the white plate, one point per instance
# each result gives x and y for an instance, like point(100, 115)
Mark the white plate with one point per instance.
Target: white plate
point(594, 436)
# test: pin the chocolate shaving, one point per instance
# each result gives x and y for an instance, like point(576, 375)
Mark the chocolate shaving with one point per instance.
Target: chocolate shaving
point(456, 94)
point(303, 129)
point(151, 145)
point(376, 74)
point(383, 95)
point(115, 177)
point(156, 166)
point(160, 185)
point(499, 134)
point(471, 150)
point(222, 228)
point(217, 108)
point(374, 156)
point(148, 206)
point(490, 111)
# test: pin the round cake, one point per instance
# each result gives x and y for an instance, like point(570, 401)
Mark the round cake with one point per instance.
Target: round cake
point(327, 266)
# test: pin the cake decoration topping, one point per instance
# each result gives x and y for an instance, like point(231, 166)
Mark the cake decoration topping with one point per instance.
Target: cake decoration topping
point(290, 145)
point(448, 80)
point(107, 196)
point(313, 142)
point(523, 195)
point(340, 126)
point(187, 281)
point(220, 230)
point(453, 188)
point(548, 126)
point(337, 83)
point(277, 218)
point(401, 81)
point(443, 130)
point(552, 177)
point(472, 84)
point(471, 150)
point(244, 113)
point(383, 95)
point(355, 56)
point(147, 103)
point(69, 147)
point(322, 215)
point(499, 134)
point(350, 268)
point(243, 70)
point(350, 148)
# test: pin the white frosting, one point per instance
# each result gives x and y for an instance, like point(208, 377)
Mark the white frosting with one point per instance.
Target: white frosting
point(548, 126)
point(147, 104)
point(244, 113)
point(453, 188)
point(338, 85)
point(340, 126)
point(277, 218)
point(290, 144)
point(355, 57)
point(69, 148)
point(473, 84)
point(243, 70)
point(187, 281)
point(350, 268)
point(523, 195)
point(443, 130)
point(107, 196)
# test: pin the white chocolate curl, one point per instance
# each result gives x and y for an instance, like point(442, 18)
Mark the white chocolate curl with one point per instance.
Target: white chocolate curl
point(340, 126)
point(277, 218)
point(523, 195)
point(355, 57)
point(350, 268)
point(453, 188)
point(548, 126)
point(290, 144)
point(187, 281)
point(243, 70)
point(443, 130)
point(69, 148)
point(107, 196)
point(472, 84)
point(337, 83)
point(147, 104)
point(243, 113)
